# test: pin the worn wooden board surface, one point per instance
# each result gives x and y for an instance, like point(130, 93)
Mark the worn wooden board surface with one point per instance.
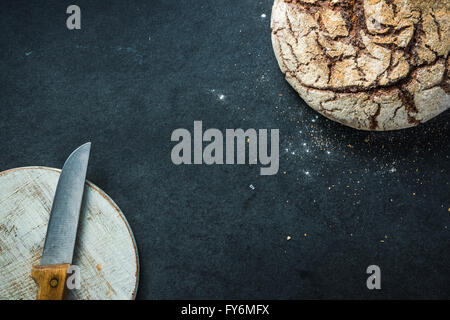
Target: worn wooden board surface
point(105, 251)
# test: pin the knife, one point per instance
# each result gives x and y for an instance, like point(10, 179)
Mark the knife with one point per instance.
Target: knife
point(59, 244)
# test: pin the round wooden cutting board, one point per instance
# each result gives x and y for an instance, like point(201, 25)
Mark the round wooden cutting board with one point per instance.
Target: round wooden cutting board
point(105, 251)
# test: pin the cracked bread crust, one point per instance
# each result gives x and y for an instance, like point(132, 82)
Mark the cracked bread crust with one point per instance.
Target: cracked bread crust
point(368, 64)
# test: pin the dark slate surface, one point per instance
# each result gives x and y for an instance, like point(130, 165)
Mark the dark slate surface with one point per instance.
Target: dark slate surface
point(137, 70)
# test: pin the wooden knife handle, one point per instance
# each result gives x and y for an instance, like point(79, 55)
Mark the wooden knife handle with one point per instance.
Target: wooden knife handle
point(51, 281)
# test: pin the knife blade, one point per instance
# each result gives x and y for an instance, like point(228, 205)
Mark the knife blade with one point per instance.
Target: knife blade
point(62, 227)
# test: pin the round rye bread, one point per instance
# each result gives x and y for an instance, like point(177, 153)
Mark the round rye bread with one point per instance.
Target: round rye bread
point(368, 64)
